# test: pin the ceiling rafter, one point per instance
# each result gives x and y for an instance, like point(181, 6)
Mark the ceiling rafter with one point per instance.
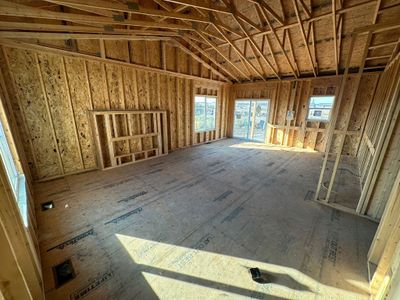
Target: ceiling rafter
point(292, 53)
point(314, 48)
point(305, 9)
point(268, 9)
point(134, 8)
point(77, 36)
point(222, 54)
point(162, 4)
point(188, 37)
point(241, 55)
point(200, 26)
point(202, 5)
point(199, 59)
point(334, 32)
point(245, 65)
point(272, 30)
point(266, 39)
point(253, 44)
point(313, 19)
point(169, 8)
point(204, 53)
point(77, 28)
point(257, 58)
point(255, 48)
point(19, 10)
point(131, 7)
point(296, 9)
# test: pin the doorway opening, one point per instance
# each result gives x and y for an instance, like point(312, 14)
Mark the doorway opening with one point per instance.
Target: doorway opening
point(251, 118)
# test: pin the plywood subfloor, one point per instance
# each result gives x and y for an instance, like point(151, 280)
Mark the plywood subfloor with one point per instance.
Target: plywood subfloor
point(191, 224)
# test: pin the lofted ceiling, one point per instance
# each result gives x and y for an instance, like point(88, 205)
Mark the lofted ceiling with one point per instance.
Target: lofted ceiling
point(238, 40)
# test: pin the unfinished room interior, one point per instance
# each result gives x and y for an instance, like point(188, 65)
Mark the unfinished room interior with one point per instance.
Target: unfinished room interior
point(199, 149)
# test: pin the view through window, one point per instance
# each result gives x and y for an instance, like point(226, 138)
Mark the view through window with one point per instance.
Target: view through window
point(319, 108)
point(204, 112)
point(16, 179)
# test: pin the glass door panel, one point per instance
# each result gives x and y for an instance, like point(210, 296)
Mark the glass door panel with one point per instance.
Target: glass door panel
point(250, 120)
point(242, 119)
point(260, 120)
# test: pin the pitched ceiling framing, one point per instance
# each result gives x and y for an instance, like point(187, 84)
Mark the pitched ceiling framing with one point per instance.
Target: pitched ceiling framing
point(236, 40)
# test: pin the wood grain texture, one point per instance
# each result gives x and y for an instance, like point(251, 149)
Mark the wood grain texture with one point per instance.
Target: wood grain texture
point(82, 85)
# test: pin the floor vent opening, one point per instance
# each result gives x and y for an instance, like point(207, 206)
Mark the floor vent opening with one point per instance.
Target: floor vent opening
point(63, 273)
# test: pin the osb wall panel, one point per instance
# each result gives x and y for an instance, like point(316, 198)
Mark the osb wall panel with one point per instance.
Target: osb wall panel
point(54, 94)
point(294, 95)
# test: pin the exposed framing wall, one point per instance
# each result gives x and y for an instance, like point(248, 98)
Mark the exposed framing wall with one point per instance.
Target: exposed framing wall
point(294, 95)
point(379, 154)
point(53, 94)
point(20, 270)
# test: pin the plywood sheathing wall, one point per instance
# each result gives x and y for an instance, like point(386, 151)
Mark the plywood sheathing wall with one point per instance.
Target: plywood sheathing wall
point(294, 96)
point(53, 95)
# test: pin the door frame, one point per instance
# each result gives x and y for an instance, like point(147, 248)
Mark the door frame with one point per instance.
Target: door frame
point(253, 117)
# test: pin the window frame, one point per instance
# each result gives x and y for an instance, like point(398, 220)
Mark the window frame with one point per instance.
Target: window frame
point(308, 119)
point(15, 177)
point(206, 129)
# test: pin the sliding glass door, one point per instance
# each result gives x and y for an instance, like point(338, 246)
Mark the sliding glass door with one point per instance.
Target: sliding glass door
point(250, 121)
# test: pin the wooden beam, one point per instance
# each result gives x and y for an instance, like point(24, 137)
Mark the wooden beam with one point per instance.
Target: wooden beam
point(304, 36)
point(280, 45)
point(375, 28)
point(292, 52)
point(378, 57)
point(332, 122)
point(305, 9)
point(239, 52)
point(76, 36)
point(164, 5)
point(76, 28)
point(376, 11)
point(248, 21)
point(203, 5)
point(314, 48)
point(18, 10)
point(382, 45)
point(395, 51)
point(348, 117)
point(253, 43)
point(342, 11)
point(339, 45)
point(268, 9)
point(130, 7)
point(39, 48)
point(223, 55)
point(271, 52)
point(334, 32)
point(199, 59)
point(95, 11)
point(204, 53)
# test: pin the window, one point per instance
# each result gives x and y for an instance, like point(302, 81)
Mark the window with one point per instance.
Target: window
point(319, 108)
point(204, 112)
point(16, 179)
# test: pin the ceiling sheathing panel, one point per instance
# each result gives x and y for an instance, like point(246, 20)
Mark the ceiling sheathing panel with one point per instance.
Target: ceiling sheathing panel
point(323, 33)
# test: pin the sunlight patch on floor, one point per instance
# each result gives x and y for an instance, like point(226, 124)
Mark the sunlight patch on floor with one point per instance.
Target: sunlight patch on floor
point(270, 147)
point(176, 272)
